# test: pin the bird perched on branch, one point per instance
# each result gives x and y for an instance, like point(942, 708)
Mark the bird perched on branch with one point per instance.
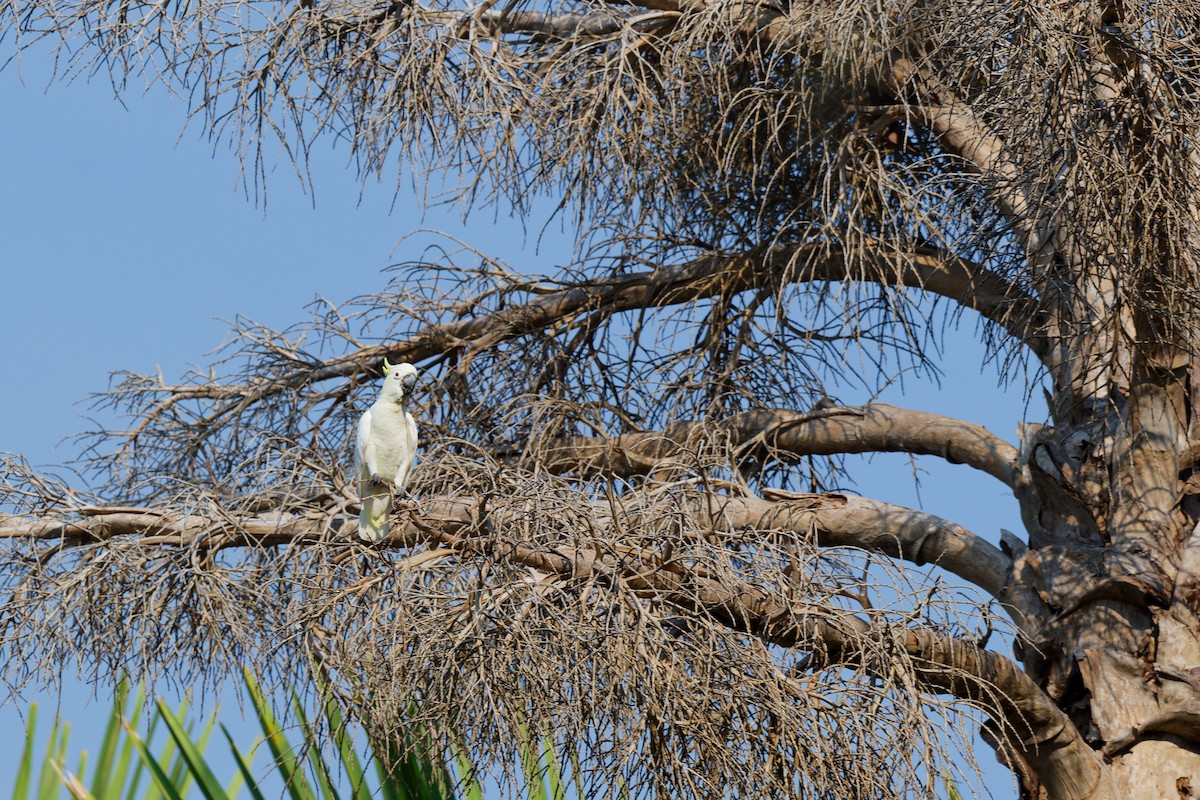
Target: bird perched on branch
point(385, 449)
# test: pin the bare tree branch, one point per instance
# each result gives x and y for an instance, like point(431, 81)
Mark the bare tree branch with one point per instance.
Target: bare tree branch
point(928, 270)
point(1031, 722)
point(834, 520)
point(784, 434)
point(1068, 766)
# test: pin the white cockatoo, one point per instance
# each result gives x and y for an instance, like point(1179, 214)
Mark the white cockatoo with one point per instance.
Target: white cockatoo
point(385, 449)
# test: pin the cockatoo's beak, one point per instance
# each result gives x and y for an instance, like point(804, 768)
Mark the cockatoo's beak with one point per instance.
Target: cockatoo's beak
point(408, 382)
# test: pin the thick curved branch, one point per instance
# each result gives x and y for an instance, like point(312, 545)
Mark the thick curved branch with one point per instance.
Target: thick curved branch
point(894, 531)
point(831, 519)
point(1069, 768)
point(927, 269)
point(944, 664)
point(792, 434)
point(1031, 721)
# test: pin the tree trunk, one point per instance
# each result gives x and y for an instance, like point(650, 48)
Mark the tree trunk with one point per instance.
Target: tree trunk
point(1114, 553)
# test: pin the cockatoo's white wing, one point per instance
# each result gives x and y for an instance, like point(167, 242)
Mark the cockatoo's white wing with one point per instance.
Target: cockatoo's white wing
point(376, 500)
point(408, 453)
point(362, 442)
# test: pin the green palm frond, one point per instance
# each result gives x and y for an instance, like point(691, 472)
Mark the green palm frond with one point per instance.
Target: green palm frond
point(132, 763)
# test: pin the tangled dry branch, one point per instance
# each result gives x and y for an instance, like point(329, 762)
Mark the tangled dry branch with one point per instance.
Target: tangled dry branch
point(521, 601)
point(235, 546)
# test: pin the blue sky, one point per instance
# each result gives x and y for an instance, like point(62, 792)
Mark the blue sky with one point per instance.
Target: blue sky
point(127, 241)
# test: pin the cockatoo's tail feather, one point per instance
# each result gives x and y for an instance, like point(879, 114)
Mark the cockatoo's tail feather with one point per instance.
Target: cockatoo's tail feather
point(373, 521)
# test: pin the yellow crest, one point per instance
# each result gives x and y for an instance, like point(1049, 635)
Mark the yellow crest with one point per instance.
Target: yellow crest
point(387, 367)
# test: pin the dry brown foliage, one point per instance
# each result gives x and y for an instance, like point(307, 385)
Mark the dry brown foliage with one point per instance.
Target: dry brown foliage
point(666, 642)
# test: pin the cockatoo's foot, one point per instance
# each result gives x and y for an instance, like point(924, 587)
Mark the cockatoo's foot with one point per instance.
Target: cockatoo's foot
point(378, 480)
point(405, 497)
